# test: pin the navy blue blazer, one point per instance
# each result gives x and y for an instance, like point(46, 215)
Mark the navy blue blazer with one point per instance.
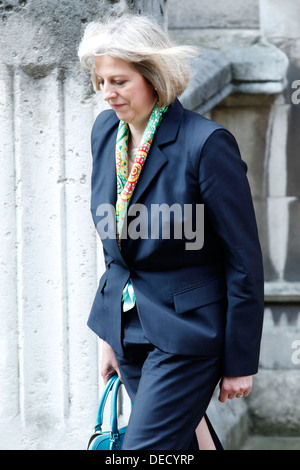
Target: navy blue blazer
point(208, 301)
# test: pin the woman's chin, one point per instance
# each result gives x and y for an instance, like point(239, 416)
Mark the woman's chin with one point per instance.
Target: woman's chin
point(122, 114)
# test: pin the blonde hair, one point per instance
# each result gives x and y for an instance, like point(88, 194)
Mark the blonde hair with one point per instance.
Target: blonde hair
point(140, 41)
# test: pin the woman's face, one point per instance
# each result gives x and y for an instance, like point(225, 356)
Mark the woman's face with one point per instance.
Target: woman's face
point(126, 91)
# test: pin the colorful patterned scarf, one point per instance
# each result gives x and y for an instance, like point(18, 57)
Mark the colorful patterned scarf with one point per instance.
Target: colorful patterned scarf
point(126, 183)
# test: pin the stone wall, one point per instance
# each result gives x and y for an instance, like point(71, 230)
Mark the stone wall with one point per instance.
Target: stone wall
point(51, 259)
point(275, 407)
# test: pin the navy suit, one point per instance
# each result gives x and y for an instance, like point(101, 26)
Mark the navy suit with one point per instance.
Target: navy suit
point(190, 302)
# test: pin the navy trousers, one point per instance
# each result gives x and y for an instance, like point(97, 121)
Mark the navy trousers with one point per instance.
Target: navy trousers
point(170, 393)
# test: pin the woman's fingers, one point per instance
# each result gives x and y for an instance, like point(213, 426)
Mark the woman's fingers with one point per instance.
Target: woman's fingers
point(235, 387)
point(109, 363)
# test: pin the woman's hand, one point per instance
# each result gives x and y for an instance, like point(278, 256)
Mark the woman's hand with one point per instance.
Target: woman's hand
point(109, 363)
point(235, 387)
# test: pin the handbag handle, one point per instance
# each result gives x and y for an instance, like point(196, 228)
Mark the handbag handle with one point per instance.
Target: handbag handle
point(108, 388)
point(114, 431)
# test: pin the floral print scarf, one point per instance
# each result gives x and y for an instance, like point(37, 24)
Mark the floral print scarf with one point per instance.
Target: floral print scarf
point(126, 183)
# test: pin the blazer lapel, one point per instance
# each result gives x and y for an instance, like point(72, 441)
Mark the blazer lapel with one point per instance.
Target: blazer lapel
point(157, 159)
point(111, 244)
point(111, 176)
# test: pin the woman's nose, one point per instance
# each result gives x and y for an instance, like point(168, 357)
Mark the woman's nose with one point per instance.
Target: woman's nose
point(108, 92)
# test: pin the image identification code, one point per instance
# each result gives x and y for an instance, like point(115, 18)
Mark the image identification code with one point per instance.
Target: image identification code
point(151, 459)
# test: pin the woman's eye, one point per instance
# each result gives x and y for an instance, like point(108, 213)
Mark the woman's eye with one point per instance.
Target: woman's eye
point(116, 82)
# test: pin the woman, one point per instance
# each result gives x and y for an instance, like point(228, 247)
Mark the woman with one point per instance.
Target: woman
point(176, 317)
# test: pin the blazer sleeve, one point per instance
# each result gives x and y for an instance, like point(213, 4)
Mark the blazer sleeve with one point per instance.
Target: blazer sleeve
point(228, 204)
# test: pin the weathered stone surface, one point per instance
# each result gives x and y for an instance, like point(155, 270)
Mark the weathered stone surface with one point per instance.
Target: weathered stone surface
point(38, 34)
point(292, 267)
point(271, 443)
point(211, 74)
point(275, 405)
point(155, 8)
point(293, 150)
point(41, 33)
point(234, 66)
point(217, 14)
point(280, 19)
point(281, 330)
point(249, 123)
point(258, 63)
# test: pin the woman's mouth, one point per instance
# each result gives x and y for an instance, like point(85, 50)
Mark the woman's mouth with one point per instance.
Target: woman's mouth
point(117, 106)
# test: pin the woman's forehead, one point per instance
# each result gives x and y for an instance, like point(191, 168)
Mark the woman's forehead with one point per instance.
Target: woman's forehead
point(105, 64)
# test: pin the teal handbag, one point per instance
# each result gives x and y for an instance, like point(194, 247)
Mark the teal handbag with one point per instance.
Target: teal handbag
point(112, 439)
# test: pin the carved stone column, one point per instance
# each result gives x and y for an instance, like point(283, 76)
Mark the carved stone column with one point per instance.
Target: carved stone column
point(50, 257)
